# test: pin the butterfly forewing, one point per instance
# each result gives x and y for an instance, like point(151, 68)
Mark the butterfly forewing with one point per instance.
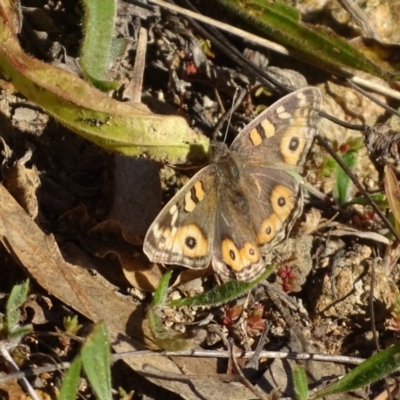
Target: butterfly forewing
point(281, 136)
point(180, 234)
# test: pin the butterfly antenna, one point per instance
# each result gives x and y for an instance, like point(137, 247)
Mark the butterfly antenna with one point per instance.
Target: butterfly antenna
point(236, 101)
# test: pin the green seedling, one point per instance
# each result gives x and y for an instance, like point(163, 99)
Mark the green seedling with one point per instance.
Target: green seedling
point(10, 328)
point(94, 360)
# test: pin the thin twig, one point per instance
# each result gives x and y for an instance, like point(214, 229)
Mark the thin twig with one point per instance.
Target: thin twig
point(373, 98)
point(23, 381)
point(133, 90)
point(193, 353)
point(254, 389)
point(360, 18)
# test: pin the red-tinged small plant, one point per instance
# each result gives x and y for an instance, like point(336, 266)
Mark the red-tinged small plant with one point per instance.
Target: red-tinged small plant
point(190, 69)
point(369, 215)
point(232, 314)
point(344, 148)
point(255, 322)
point(287, 276)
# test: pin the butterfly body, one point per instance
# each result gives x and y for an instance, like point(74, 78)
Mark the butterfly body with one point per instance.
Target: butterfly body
point(235, 210)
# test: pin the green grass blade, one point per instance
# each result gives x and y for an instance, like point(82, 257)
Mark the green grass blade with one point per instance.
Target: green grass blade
point(221, 294)
point(95, 355)
point(317, 45)
point(160, 294)
point(300, 383)
point(17, 298)
point(98, 47)
point(376, 367)
point(343, 184)
point(69, 386)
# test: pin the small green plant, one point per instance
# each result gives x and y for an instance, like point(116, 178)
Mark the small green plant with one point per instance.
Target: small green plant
point(94, 359)
point(343, 186)
point(170, 340)
point(71, 325)
point(10, 328)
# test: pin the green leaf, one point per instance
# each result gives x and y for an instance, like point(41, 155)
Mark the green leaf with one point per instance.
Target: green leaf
point(69, 386)
point(99, 48)
point(17, 333)
point(376, 367)
point(317, 45)
point(393, 194)
point(380, 199)
point(95, 355)
point(160, 294)
point(343, 185)
point(300, 383)
point(130, 129)
point(355, 144)
point(17, 298)
point(221, 294)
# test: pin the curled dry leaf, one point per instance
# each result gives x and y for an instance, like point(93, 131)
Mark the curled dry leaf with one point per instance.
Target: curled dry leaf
point(108, 238)
point(37, 311)
point(310, 225)
point(21, 181)
point(340, 230)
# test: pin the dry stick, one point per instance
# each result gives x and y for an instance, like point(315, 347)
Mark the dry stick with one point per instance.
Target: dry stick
point(360, 18)
point(133, 91)
point(374, 99)
point(224, 46)
point(221, 25)
point(254, 389)
point(385, 91)
point(228, 115)
point(193, 353)
point(254, 361)
point(24, 383)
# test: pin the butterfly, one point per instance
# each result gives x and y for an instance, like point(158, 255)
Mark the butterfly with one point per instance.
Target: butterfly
point(235, 210)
